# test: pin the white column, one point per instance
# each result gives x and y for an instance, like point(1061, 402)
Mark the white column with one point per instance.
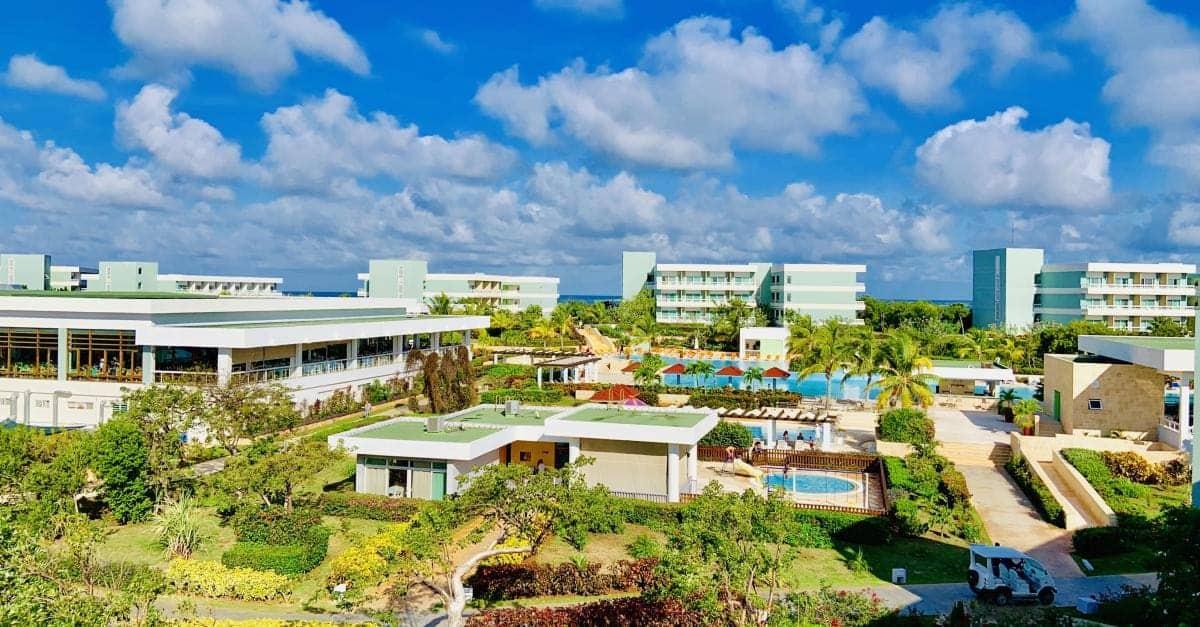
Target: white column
point(467, 342)
point(64, 357)
point(435, 340)
point(360, 474)
point(673, 473)
point(352, 354)
point(572, 450)
point(298, 362)
point(826, 435)
point(397, 343)
point(148, 365)
point(1185, 409)
point(224, 365)
point(539, 377)
point(693, 462)
point(769, 433)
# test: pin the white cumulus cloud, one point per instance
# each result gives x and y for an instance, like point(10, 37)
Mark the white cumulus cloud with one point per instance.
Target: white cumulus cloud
point(326, 139)
point(432, 40)
point(177, 140)
point(26, 71)
point(697, 93)
point(994, 162)
point(920, 66)
point(257, 40)
point(1184, 226)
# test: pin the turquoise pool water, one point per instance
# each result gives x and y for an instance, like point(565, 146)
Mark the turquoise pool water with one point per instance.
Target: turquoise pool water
point(800, 481)
point(853, 387)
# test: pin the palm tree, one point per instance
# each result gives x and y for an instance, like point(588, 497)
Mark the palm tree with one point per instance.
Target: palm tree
point(830, 349)
point(564, 324)
point(751, 376)
point(904, 380)
point(1008, 397)
point(440, 305)
point(701, 368)
point(542, 330)
point(866, 357)
point(644, 331)
point(647, 371)
point(503, 320)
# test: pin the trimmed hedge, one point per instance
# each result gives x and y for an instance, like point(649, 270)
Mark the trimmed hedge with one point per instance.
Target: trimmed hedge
point(906, 425)
point(273, 525)
point(367, 506)
point(744, 399)
point(213, 579)
point(728, 433)
point(525, 395)
point(501, 582)
point(285, 559)
point(658, 516)
point(627, 611)
point(1018, 468)
point(847, 527)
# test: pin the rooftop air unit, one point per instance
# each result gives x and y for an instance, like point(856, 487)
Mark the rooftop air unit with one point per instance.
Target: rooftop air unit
point(511, 407)
point(435, 424)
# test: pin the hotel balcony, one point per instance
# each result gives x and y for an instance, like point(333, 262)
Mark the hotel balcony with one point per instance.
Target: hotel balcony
point(1166, 289)
point(737, 286)
point(393, 364)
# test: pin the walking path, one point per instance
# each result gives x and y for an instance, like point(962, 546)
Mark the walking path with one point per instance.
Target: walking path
point(939, 598)
point(1076, 516)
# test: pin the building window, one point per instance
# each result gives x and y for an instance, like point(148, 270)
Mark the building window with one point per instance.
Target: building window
point(1095, 404)
point(80, 405)
point(42, 404)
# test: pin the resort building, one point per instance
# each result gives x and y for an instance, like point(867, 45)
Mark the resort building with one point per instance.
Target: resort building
point(410, 278)
point(24, 272)
point(691, 292)
point(143, 276)
point(649, 452)
point(70, 278)
point(1012, 288)
point(66, 360)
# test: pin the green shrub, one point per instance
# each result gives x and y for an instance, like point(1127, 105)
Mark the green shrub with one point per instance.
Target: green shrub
point(504, 371)
point(1099, 541)
point(954, 486)
point(660, 516)
point(643, 546)
point(911, 518)
point(1018, 468)
point(367, 506)
point(744, 399)
point(525, 395)
point(831, 607)
point(289, 559)
point(847, 527)
point(273, 524)
point(808, 535)
point(728, 433)
point(906, 425)
point(121, 458)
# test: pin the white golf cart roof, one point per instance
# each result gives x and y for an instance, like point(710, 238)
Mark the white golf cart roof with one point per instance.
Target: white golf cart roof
point(997, 552)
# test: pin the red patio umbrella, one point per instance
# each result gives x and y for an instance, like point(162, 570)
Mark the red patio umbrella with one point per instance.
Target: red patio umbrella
point(615, 394)
point(730, 371)
point(774, 373)
point(676, 369)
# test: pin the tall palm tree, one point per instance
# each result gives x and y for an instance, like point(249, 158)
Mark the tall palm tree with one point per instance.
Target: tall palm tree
point(542, 330)
point(700, 368)
point(647, 371)
point(866, 357)
point(830, 350)
point(644, 331)
point(503, 320)
point(1007, 399)
point(564, 324)
point(751, 376)
point(440, 305)
point(905, 379)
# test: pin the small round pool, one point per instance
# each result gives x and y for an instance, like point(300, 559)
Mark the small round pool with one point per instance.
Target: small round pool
point(809, 483)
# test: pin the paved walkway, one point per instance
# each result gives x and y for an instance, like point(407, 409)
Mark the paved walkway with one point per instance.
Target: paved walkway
point(970, 427)
point(939, 598)
point(1011, 520)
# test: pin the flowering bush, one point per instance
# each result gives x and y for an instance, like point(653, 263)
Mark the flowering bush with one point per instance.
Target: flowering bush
point(516, 581)
point(627, 611)
point(366, 563)
point(212, 579)
point(829, 607)
point(368, 506)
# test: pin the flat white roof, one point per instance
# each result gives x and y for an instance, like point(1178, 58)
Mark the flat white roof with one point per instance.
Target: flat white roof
point(217, 278)
point(705, 267)
point(967, 373)
point(818, 267)
point(764, 333)
point(1166, 354)
point(1106, 266)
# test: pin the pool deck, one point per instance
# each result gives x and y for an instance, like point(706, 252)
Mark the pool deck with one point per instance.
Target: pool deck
point(867, 495)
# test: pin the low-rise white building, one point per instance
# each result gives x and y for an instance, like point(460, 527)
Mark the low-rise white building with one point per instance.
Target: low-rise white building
point(65, 360)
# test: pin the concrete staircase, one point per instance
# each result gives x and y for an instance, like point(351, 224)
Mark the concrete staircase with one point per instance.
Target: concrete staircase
point(976, 454)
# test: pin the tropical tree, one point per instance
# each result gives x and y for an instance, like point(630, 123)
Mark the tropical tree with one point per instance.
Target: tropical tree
point(830, 349)
point(751, 376)
point(542, 330)
point(440, 305)
point(503, 320)
point(1007, 399)
point(647, 372)
point(644, 331)
point(1167, 327)
point(272, 472)
point(564, 324)
point(512, 508)
point(237, 412)
point(905, 378)
point(164, 413)
point(729, 318)
point(865, 357)
point(701, 369)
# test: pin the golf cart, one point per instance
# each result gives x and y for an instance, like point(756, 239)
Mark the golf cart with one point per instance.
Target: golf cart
point(1003, 574)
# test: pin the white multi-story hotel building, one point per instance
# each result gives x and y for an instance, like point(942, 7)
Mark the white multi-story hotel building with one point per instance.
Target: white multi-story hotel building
point(65, 360)
point(690, 292)
point(410, 278)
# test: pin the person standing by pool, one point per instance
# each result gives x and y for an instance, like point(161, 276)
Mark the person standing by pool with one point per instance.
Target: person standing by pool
point(729, 457)
point(787, 438)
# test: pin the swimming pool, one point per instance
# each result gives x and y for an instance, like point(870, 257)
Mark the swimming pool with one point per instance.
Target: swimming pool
point(808, 483)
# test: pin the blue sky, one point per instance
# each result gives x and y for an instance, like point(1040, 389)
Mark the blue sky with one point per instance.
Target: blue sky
point(545, 136)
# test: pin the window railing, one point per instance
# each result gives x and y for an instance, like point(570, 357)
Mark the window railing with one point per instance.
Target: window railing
point(186, 377)
point(128, 375)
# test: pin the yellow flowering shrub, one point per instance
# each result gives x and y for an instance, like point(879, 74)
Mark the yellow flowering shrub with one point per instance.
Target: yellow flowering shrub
point(213, 579)
point(256, 622)
point(511, 558)
point(366, 563)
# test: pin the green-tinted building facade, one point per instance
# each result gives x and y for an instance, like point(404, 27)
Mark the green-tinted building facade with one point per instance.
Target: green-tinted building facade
point(25, 271)
point(408, 278)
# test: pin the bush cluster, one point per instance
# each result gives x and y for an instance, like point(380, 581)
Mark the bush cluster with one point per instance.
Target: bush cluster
point(501, 582)
point(625, 611)
point(525, 395)
point(831, 607)
point(1121, 493)
point(1138, 469)
point(744, 399)
point(660, 516)
point(907, 425)
point(366, 563)
point(366, 506)
point(1018, 468)
point(728, 433)
point(847, 527)
point(927, 490)
point(278, 540)
point(212, 579)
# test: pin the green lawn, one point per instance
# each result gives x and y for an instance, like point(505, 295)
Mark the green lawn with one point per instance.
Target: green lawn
point(1142, 560)
point(928, 560)
point(346, 423)
point(136, 543)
